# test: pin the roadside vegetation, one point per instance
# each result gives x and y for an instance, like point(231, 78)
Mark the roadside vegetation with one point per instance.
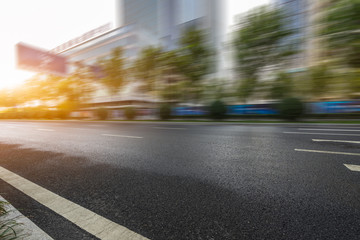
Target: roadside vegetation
point(9, 228)
point(185, 76)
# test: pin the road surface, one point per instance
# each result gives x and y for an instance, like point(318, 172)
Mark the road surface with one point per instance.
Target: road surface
point(189, 180)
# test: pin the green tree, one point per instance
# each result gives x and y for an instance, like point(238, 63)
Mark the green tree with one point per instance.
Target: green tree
point(173, 86)
point(352, 83)
point(341, 31)
point(319, 81)
point(246, 88)
point(195, 60)
point(113, 70)
point(146, 67)
point(195, 55)
point(76, 89)
point(260, 42)
point(281, 87)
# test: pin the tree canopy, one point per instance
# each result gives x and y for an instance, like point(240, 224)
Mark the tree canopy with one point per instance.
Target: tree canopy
point(341, 31)
point(260, 42)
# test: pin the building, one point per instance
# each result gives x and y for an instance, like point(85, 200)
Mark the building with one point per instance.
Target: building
point(166, 20)
point(297, 20)
point(142, 23)
point(303, 17)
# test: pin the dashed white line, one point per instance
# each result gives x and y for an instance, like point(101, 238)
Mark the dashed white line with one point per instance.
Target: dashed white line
point(324, 129)
point(82, 217)
point(45, 129)
point(355, 168)
point(328, 152)
point(332, 134)
point(121, 136)
point(169, 128)
point(339, 141)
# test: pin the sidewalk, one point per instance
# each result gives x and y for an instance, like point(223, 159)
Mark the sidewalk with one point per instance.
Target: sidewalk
point(27, 230)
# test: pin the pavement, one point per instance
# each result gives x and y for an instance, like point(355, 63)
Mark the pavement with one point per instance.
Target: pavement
point(118, 180)
point(26, 228)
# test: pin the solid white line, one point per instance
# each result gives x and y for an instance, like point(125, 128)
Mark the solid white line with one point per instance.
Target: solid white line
point(323, 129)
point(82, 217)
point(333, 134)
point(122, 136)
point(340, 141)
point(355, 168)
point(329, 152)
point(44, 129)
point(170, 128)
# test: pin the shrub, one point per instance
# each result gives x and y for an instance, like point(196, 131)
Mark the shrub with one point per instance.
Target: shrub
point(130, 113)
point(165, 111)
point(102, 113)
point(291, 109)
point(217, 110)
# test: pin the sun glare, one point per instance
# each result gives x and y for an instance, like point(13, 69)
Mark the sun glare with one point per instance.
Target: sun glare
point(15, 78)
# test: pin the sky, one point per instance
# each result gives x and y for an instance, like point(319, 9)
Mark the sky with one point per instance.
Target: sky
point(49, 23)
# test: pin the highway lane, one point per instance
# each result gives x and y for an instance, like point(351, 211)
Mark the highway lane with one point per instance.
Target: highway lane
point(191, 181)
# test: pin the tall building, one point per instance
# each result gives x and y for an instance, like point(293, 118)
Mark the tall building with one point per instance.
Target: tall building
point(297, 20)
point(303, 17)
point(142, 23)
point(143, 13)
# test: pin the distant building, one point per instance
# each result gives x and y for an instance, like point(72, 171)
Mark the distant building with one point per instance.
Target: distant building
point(303, 17)
point(142, 23)
point(297, 20)
point(166, 20)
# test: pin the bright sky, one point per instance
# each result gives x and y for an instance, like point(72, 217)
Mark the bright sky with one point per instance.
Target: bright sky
point(49, 23)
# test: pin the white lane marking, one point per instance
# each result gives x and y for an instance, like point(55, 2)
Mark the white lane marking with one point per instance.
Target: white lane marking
point(45, 129)
point(327, 129)
point(333, 134)
point(122, 136)
point(329, 152)
point(82, 217)
point(9, 126)
point(170, 128)
point(339, 141)
point(96, 125)
point(352, 167)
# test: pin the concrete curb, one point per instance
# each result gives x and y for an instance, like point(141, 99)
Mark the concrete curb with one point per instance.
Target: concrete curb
point(27, 230)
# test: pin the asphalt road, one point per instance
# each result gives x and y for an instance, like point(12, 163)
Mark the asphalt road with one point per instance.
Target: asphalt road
point(190, 181)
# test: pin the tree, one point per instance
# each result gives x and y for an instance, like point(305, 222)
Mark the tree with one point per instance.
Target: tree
point(246, 88)
point(319, 77)
point(195, 55)
point(341, 31)
point(76, 89)
point(146, 67)
point(41, 87)
point(6, 100)
point(260, 42)
point(113, 71)
point(281, 87)
point(176, 75)
point(352, 79)
point(195, 59)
